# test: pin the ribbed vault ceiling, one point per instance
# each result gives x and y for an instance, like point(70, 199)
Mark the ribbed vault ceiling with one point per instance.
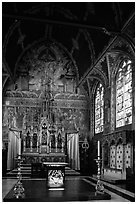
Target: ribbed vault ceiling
point(84, 29)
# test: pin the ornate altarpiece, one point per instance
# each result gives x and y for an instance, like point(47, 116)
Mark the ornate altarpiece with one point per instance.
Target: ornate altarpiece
point(44, 104)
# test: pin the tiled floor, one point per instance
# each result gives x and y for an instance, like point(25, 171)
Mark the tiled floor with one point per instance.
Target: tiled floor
point(7, 184)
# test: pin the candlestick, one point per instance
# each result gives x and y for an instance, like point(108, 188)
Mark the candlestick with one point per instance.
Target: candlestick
point(99, 186)
point(18, 188)
point(98, 148)
point(20, 143)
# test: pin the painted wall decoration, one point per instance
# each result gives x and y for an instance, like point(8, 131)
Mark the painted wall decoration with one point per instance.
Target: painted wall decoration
point(51, 82)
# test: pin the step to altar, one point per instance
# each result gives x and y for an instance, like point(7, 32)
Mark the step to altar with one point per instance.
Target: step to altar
point(111, 179)
point(26, 172)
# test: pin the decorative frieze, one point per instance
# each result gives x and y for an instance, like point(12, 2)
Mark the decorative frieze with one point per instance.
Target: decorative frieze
point(23, 102)
point(124, 135)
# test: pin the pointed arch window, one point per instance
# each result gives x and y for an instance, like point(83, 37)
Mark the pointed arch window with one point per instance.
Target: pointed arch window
point(124, 94)
point(99, 109)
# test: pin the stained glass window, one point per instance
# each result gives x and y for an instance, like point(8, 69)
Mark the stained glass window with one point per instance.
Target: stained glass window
point(124, 94)
point(99, 109)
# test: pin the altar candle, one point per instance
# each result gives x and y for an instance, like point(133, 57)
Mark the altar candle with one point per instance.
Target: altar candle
point(19, 146)
point(98, 148)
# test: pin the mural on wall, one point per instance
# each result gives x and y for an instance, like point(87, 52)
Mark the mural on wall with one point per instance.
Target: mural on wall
point(47, 65)
point(72, 119)
point(51, 75)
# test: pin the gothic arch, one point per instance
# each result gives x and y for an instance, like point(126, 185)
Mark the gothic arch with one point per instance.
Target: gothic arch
point(106, 141)
point(90, 44)
point(100, 76)
point(117, 52)
point(122, 43)
point(92, 106)
point(129, 41)
point(120, 57)
point(8, 35)
point(40, 43)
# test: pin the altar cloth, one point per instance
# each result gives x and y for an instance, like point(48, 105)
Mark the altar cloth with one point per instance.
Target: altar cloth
point(55, 174)
point(74, 190)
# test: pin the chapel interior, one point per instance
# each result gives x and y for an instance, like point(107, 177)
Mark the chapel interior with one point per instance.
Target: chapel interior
point(68, 94)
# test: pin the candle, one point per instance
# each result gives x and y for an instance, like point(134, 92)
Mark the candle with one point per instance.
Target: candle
point(98, 148)
point(19, 146)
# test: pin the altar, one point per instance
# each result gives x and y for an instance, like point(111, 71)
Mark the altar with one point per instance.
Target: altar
point(55, 175)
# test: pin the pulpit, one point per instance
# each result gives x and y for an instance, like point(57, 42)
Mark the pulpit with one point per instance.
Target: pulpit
point(55, 175)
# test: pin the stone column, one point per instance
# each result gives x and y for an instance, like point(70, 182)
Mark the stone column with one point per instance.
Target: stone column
point(113, 104)
point(102, 159)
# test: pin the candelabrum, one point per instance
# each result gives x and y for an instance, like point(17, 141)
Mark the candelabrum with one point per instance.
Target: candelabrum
point(99, 186)
point(18, 188)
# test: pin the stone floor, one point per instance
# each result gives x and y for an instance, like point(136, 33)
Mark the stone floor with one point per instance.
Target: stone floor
point(7, 185)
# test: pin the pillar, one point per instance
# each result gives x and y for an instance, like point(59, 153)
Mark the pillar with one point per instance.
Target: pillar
point(102, 169)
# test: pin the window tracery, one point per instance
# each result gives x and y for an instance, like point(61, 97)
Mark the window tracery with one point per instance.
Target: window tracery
point(124, 94)
point(99, 109)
